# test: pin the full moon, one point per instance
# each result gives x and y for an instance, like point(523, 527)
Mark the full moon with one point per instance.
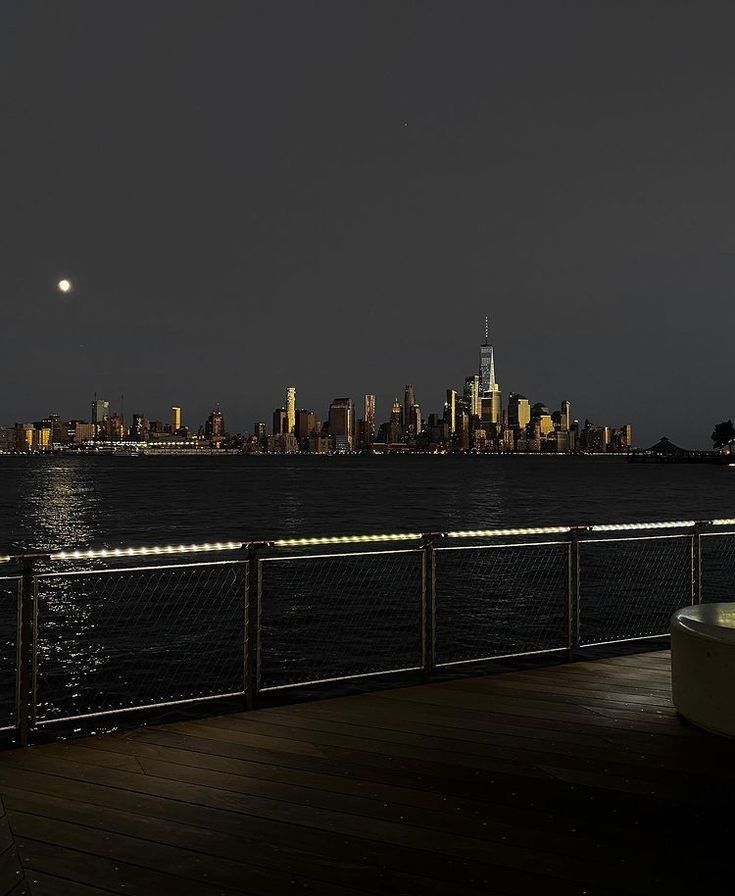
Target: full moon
point(64, 285)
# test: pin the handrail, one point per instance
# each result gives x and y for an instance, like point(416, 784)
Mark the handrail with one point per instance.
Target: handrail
point(314, 541)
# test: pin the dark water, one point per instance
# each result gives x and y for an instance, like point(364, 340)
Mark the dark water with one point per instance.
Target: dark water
point(144, 635)
point(69, 502)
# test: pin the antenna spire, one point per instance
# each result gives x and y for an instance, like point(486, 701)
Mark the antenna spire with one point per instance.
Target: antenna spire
point(486, 330)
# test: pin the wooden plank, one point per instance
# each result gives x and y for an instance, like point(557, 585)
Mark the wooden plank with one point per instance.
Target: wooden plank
point(189, 869)
point(418, 840)
point(49, 885)
point(12, 874)
point(279, 845)
point(115, 876)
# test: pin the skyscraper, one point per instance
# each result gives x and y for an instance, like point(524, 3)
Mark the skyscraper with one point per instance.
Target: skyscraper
point(100, 410)
point(490, 398)
point(175, 419)
point(341, 423)
point(291, 408)
point(280, 421)
point(450, 408)
point(409, 400)
point(305, 427)
point(472, 394)
point(368, 415)
point(566, 416)
point(487, 365)
point(214, 428)
point(519, 410)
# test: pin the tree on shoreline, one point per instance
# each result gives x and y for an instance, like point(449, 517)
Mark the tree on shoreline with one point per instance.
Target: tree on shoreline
point(723, 434)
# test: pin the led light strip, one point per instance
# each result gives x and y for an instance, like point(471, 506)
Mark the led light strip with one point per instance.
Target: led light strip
point(344, 539)
point(495, 533)
point(106, 553)
point(624, 527)
point(142, 552)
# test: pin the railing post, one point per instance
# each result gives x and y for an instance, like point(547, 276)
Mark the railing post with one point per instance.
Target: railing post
point(697, 562)
point(428, 606)
point(252, 624)
point(26, 652)
point(573, 591)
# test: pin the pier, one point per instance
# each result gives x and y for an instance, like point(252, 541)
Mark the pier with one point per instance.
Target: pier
point(575, 779)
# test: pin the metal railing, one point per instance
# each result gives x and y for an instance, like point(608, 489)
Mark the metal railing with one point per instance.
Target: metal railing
point(93, 633)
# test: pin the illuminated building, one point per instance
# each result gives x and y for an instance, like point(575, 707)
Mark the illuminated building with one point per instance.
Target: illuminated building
point(541, 416)
point(214, 428)
point(392, 432)
point(291, 409)
point(113, 428)
point(415, 420)
point(519, 410)
point(566, 416)
point(175, 419)
point(472, 394)
point(450, 411)
point(368, 416)
point(490, 397)
point(100, 410)
point(83, 432)
point(341, 424)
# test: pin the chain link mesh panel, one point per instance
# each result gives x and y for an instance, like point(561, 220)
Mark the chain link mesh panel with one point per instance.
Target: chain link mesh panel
point(630, 588)
point(121, 639)
point(718, 567)
point(499, 601)
point(339, 616)
point(8, 649)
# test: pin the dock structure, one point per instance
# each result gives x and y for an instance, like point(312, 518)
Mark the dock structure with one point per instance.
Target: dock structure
point(573, 779)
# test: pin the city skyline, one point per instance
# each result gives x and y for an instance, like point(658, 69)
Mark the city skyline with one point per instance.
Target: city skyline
point(475, 419)
point(405, 169)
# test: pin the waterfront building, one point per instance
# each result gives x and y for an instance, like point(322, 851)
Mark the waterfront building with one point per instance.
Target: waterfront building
point(489, 396)
point(259, 430)
point(593, 438)
point(280, 421)
point(214, 428)
point(450, 411)
point(113, 428)
point(415, 420)
point(41, 437)
point(409, 400)
point(508, 439)
point(100, 410)
point(319, 444)
point(7, 439)
point(487, 364)
point(540, 415)
point(480, 438)
point(472, 394)
point(305, 428)
point(176, 420)
point(140, 428)
point(341, 424)
point(368, 416)
point(392, 432)
point(490, 409)
point(566, 416)
point(291, 409)
point(83, 432)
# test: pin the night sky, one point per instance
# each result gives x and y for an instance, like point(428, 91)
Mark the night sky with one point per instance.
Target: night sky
point(249, 195)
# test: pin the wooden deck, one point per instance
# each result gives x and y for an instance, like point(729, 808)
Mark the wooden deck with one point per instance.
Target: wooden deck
point(574, 779)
